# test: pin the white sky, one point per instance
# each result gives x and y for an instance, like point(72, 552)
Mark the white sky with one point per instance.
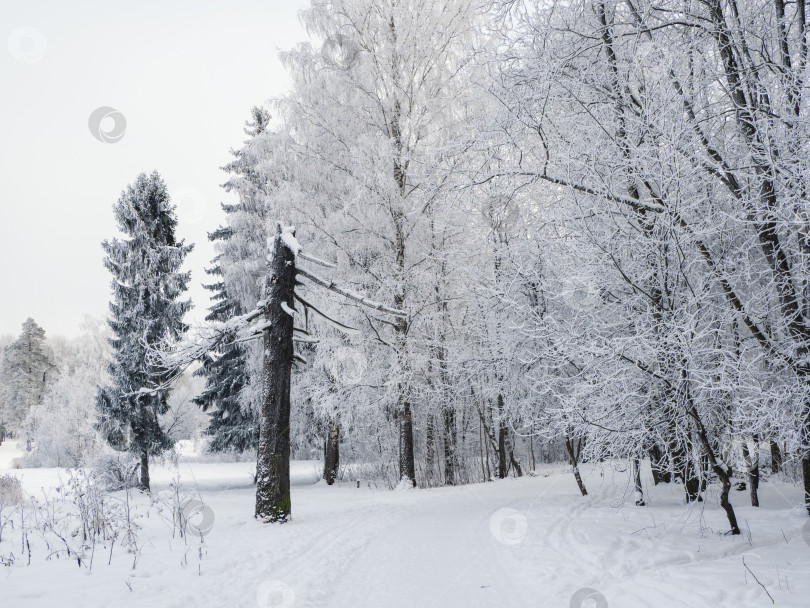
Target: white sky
point(183, 73)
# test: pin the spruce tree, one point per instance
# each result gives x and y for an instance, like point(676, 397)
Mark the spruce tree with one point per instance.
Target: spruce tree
point(225, 372)
point(25, 374)
point(145, 309)
point(242, 247)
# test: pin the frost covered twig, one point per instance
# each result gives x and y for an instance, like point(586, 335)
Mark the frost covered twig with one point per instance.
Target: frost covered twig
point(757, 580)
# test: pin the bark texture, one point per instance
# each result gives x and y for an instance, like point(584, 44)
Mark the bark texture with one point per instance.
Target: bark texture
point(143, 484)
point(273, 468)
point(331, 460)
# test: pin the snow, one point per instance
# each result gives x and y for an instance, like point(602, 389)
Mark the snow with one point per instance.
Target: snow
point(288, 238)
point(9, 451)
point(287, 309)
point(523, 542)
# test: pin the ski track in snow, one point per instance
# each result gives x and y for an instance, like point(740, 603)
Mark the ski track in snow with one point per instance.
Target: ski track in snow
point(349, 547)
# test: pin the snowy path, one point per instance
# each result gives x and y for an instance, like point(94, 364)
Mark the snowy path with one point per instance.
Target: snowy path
point(525, 542)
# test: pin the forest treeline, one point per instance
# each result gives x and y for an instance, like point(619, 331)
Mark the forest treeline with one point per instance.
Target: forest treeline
point(595, 214)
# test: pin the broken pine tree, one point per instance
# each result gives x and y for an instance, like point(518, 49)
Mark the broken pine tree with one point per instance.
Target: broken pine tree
point(272, 321)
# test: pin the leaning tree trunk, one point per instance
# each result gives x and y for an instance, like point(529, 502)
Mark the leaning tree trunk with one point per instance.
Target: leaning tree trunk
point(573, 457)
point(723, 473)
point(273, 468)
point(331, 460)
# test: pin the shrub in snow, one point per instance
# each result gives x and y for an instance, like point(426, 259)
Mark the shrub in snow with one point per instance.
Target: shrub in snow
point(115, 471)
point(11, 492)
point(60, 430)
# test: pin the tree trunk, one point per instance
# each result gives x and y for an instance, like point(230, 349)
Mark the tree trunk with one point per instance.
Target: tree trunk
point(273, 471)
point(514, 463)
point(143, 484)
point(804, 437)
point(502, 430)
point(639, 491)
point(331, 456)
point(430, 451)
point(684, 467)
point(481, 449)
point(752, 470)
point(705, 469)
point(776, 457)
point(722, 473)
point(691, 481)
point(659, 466)
point(407, 468)
point(449, 446)
point(573, 456)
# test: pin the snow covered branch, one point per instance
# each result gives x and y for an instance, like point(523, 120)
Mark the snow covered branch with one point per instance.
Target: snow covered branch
point(351, 295)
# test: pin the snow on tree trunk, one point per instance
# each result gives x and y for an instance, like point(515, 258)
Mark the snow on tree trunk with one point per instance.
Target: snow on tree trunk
point(407, 467)
point(273, 466)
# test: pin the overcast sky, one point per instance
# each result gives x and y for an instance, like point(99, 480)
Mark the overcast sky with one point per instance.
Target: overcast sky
point(183, 74)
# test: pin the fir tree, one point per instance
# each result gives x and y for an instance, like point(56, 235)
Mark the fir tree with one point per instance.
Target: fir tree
point(225, 372)
point(147, 283)
point(240, 264)
point(25, 374)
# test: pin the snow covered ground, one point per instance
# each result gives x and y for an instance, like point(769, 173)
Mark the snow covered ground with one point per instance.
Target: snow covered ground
point(519, 542)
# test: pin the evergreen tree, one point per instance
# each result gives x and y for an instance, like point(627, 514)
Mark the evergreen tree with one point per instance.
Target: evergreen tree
point(230, 395)
point(145, 309)
point(25, 374)
point(225, 372)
